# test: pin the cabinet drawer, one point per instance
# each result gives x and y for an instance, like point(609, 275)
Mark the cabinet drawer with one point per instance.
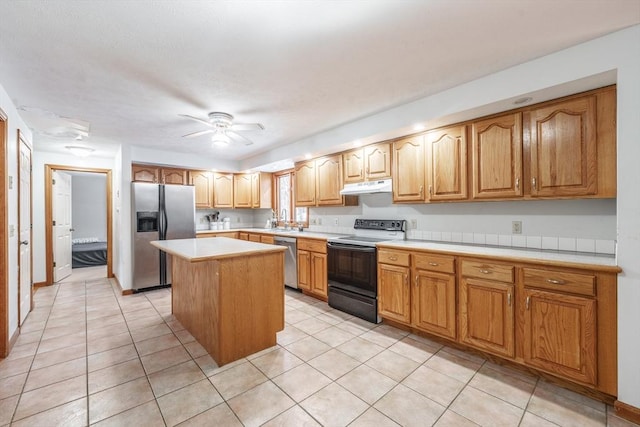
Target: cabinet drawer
point(575, 283)
point(313, 245)
point(267, 239)
point(393, 257)
point(432, 262)
point(488, 270)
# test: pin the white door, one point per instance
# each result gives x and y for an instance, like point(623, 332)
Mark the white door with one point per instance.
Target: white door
point(24, 221)
point(61, 225)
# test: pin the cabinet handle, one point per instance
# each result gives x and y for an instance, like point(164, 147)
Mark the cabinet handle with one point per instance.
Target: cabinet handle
point(526, 304)
point(533, 183)
point(435, 264)
point(430, 189)
point(484, 271)
point(517, 183)
point(367, 170)
point(556, 281)
point(509, 299)
point(393, 258)
point(417, 283)
point(406, 279)
point(421, 190)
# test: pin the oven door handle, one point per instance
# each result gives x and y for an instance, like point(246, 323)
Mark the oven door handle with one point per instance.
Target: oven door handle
point(343, 247)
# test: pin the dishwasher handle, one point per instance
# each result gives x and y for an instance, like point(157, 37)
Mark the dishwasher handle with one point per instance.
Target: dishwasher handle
point(280, 239)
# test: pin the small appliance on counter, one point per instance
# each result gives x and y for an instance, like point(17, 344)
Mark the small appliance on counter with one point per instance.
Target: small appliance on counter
point(352, 266)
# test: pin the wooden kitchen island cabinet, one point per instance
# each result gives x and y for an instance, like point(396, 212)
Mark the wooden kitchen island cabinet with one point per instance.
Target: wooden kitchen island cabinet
point(228, 293)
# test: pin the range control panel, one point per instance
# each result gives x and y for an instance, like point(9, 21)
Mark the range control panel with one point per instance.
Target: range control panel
point(381, 224)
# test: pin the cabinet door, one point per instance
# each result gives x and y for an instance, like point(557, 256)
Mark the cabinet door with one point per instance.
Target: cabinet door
point(304, 270)
point(408, 170)
point(143, 173)
point(560, 334)
point(496, 159)
point(173, 176)
point(329, 180)
point(486, 315)
point(254, 237)
point(305, 176)
point(394, 293)
point(319, 274)
point(242, 190)
point(377, 161)
point(447, 163)
point(267, 239)
point(243, 236)
point(434, 303)
point(255, 190)
point(202, 182)
point(223, 190)
point(563, 149)
point(353, 166)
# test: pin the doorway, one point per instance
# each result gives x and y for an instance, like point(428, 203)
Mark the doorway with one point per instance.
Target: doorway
point(25, 234)
point(50, 170)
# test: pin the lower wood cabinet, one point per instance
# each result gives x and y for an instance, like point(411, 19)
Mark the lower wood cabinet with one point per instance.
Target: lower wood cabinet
point(560, 320)
point(433, 294)
point(560, 327)
point(312, 267)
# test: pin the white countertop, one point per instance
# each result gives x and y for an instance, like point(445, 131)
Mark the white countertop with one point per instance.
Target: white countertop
point(276, 232)
point(523, 254)
point(205, 249)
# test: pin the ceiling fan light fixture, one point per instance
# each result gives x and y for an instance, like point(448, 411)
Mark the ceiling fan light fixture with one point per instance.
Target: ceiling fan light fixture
point(80, 150)
point(220, 139)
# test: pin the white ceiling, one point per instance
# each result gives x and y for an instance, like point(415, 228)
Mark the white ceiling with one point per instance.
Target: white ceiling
point(298, 67)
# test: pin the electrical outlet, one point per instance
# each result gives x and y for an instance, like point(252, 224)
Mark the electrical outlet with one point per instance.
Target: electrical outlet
point(10, 182)
point(312, 221)
point(516, 227)
point(413, 223)
point(335, 221)
point(319, 221)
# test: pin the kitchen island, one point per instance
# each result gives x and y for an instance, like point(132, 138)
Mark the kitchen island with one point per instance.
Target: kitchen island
point(228, 293)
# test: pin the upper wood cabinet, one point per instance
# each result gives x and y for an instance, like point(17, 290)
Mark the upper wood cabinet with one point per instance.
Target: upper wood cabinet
point(563, 148)
point(261, 190)
point(173, 176)
point(305, 175)
point(496, 157)
point(202, 182)
point(368, 163)
point(446, 151)
point(408, 170)
point(329, 180)
point(223, 190)
point(242, 190)
point(145, 173)
point(318, 183)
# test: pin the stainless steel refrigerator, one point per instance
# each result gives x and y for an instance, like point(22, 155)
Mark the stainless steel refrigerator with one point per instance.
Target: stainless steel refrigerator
point(160, 212)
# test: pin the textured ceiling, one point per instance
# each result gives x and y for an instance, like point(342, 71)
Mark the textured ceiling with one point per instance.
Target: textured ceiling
point(298, 67)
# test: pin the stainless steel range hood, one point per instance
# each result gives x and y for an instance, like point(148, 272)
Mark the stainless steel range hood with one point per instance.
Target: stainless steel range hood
point(381, 186)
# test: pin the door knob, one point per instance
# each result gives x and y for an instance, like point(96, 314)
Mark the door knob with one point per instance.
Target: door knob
point(72, 229)
point(24, 242)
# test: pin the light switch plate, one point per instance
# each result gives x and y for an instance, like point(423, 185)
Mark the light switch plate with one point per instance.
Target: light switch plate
point(12, 230)
point(413, 223)
point(10, 182)
point(516, 227)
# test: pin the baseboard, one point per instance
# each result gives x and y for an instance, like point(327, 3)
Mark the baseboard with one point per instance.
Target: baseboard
point(39, 284)
point(13, 339)
point(627, 412)
point(122, 291)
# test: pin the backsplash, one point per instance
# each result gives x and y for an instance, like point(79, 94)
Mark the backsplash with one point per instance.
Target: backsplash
point(587, 226)
point(239, 217)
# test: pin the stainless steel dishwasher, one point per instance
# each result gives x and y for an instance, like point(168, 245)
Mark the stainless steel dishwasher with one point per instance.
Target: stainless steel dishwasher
point(290, 260)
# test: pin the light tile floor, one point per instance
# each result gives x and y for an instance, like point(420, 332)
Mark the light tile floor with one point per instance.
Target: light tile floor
point(87, 355)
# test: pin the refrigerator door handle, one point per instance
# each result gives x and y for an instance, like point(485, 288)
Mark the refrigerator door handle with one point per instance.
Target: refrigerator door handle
point(163, 213)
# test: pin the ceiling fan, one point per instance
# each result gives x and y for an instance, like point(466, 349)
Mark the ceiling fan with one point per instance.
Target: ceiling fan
point(223, 129)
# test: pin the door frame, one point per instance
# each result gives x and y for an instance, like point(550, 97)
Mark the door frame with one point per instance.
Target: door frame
point(48, 215)
point(21, 140)
point(4, 241)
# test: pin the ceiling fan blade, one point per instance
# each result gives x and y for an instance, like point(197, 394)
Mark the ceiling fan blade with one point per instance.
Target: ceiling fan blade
point(247, 126)
point(206, 122)
point(200, 132)
point(239, 137)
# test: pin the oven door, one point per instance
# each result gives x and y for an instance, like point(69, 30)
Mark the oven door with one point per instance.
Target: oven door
point(352, 268)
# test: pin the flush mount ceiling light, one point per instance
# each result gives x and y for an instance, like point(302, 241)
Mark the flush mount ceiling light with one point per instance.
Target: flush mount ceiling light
point(80, 150)
point(418, 126)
